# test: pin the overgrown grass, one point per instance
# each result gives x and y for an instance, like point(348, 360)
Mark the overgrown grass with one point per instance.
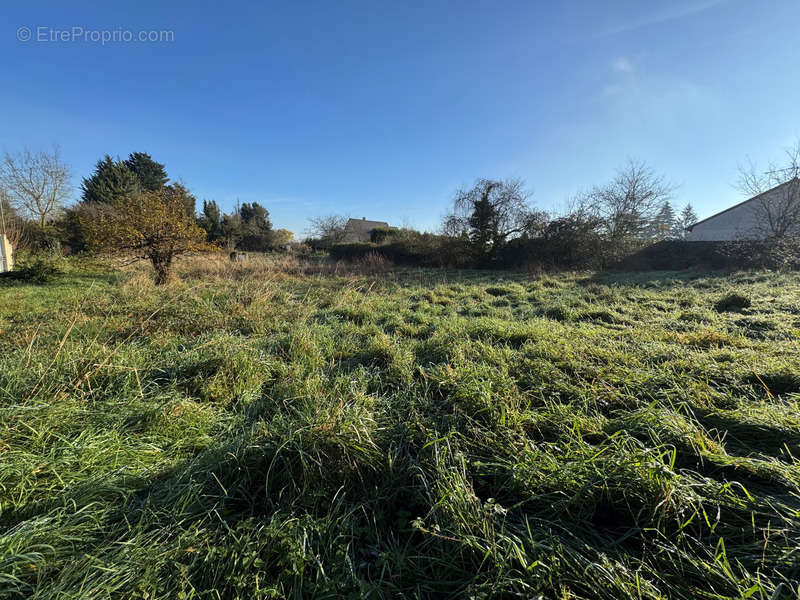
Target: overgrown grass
point(282, 429)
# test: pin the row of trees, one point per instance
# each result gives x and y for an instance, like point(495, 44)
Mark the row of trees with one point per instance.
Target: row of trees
point(492, 222)
point(633, 208)
point(248, 227)
point(131, 206)
point(126, 206)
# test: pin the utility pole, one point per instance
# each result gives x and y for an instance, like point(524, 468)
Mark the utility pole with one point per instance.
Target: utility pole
point(3, 197)
point(5, 261)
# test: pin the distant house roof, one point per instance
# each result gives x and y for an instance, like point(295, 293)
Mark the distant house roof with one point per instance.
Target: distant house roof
point(737, 205)
point(361, 229)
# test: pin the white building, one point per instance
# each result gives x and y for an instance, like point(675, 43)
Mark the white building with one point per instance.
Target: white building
point(746, 220)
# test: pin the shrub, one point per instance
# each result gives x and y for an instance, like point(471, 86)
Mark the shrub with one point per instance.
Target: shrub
point(352, 251)
point(412, 249)
point(38, 269)
point(672, 255)
point(43, 239)
point(571, 242)
point(380, 234)
point(732, 302)
point(770, 254)
point(301, 249)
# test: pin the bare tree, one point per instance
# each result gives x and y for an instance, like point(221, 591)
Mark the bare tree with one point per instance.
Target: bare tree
point(491, 212)
point(11, 225)
point(328, 229)
point(628, 205)
point(777, 213)
point(38, 183)
point(453, 226)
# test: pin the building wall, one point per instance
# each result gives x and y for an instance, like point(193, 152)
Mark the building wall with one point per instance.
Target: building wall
point(738, 223)
point(360, 230)
point(6, 255)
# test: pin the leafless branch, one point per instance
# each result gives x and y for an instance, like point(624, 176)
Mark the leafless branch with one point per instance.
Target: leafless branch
point(777, 189)
point(506, 200)
point(11, 225)
point(629, 203)
point(38, 183)
point(330, 229)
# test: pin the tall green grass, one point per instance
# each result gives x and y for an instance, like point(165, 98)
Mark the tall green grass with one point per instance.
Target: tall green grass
point(283, 430)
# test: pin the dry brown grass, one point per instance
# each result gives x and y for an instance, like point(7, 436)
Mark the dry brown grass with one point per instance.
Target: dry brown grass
point(275, 267)
point(254, 280)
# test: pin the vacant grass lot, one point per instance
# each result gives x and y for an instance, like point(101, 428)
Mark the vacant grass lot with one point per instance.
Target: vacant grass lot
point(275, 430)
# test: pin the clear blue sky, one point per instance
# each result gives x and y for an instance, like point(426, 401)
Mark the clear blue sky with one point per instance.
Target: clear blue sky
point(382, 109)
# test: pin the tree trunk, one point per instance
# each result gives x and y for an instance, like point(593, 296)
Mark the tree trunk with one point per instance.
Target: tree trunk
point(163, 267)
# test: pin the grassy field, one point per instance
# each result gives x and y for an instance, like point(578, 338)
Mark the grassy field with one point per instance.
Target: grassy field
point(281, 430)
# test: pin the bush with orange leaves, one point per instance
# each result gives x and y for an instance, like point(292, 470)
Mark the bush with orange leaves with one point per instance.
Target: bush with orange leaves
point(151, 225)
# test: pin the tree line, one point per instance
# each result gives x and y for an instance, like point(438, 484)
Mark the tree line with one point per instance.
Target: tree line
point(247, 227)
point(493, 219)
point(131, 206)
point(634, 207)
point(125, 206)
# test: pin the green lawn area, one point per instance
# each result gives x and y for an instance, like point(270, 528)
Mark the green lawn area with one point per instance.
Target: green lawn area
point(268, 430)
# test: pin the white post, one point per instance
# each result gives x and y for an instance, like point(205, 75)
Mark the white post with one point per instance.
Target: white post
point(6, 254)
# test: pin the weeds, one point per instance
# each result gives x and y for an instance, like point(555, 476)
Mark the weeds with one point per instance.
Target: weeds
point(732, 302)
point(289, 428)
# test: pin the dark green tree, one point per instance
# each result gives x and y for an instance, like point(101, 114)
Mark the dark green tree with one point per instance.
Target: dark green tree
point(256, 228)
point(256, 215)
point(483, 222)
point(69, 229)
point(111, 180)
point(491, 213)
point(211, 220)
point(231, 229)
point(151, 174)
point(688, 217)
point(246, 228)
point(665, 223)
